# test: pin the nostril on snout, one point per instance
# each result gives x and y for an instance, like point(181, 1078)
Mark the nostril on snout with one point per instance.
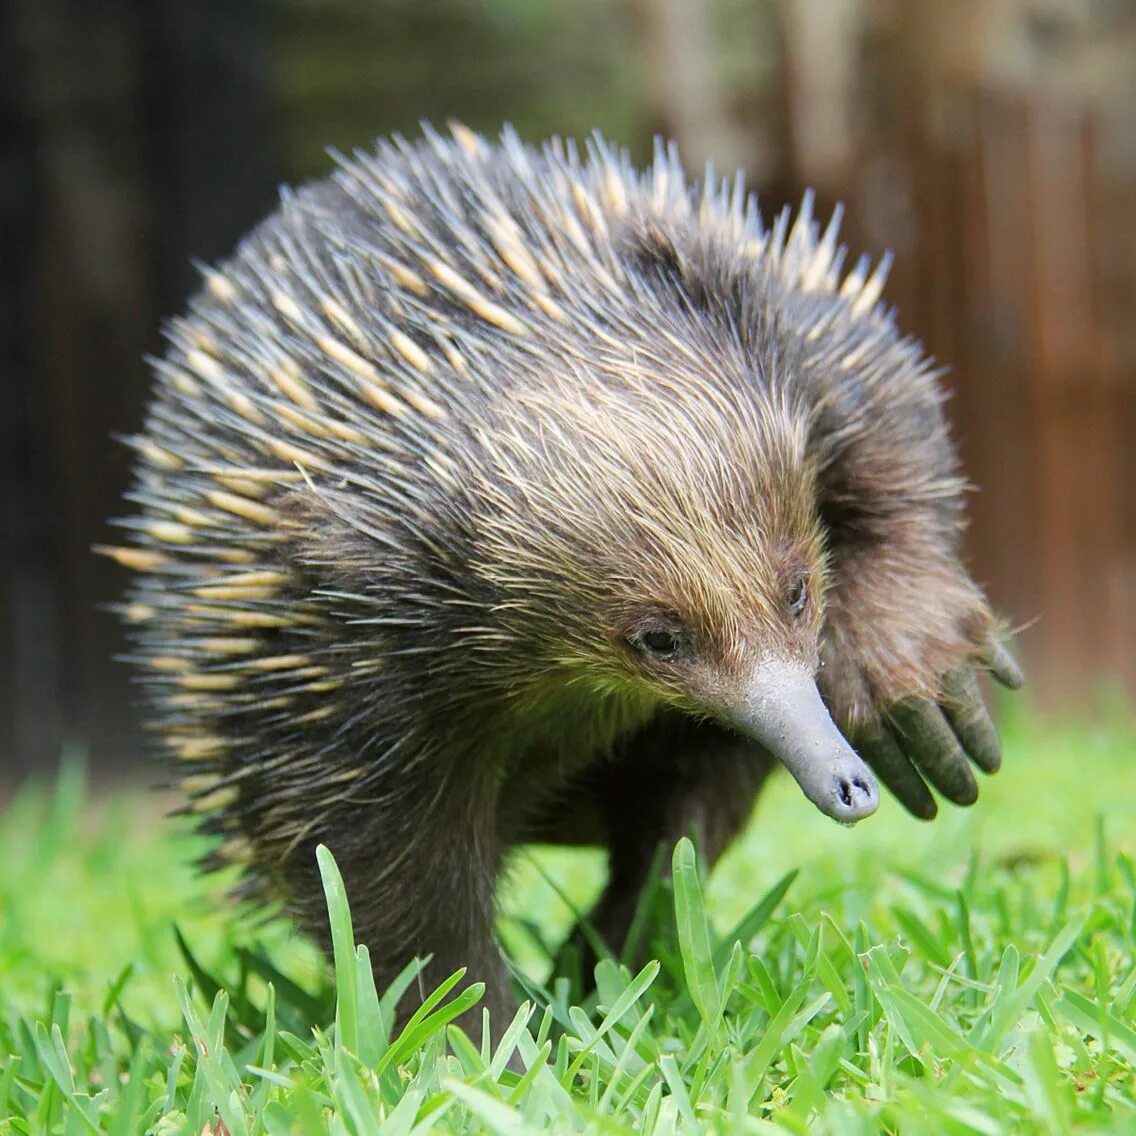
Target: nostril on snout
point(855, 796)
point(844, 791)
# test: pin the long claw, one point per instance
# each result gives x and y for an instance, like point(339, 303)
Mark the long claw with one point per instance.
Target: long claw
point(963, 707)
point(878, 748)
point(926, 736)
point(1003, 666)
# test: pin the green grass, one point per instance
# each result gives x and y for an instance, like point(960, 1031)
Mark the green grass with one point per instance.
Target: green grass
point(977, 974)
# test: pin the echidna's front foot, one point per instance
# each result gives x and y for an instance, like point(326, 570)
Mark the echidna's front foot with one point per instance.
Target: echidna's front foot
point(917, 741)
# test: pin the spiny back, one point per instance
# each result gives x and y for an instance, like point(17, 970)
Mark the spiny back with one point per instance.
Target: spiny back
point(427, 278)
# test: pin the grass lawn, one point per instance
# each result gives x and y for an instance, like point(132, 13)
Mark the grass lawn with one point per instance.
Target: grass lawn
point(973, 975)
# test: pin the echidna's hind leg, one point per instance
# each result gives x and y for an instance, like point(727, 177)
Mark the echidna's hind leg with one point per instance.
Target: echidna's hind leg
point(676, 777)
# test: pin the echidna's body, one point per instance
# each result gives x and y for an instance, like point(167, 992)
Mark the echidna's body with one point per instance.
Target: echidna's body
point(480, 490)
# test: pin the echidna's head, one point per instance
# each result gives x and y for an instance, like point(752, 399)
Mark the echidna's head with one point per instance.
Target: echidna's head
point(662, 541)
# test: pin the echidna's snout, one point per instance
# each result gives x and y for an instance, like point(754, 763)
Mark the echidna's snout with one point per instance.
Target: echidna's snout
point(784, 712)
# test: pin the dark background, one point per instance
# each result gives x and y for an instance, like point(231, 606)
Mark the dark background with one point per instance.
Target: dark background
point(990, 143)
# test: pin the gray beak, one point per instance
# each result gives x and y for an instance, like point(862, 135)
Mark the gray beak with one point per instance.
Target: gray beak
point(783, 711)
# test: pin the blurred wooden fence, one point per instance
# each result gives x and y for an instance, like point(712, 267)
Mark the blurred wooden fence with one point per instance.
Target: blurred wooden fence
point(1044, 319)
point(990, 144)
point(1008, 152)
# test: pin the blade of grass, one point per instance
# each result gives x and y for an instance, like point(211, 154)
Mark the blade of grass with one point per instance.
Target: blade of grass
point(694, 936)
point(343, 951)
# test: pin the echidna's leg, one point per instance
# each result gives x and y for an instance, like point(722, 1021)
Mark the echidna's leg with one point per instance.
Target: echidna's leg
point(676, 777)
point(420, 870)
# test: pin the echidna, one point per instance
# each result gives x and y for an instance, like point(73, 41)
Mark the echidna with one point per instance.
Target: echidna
point(492, 494)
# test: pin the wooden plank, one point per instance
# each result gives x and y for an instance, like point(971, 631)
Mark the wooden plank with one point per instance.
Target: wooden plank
point(1001, 425)
point(1110, 473)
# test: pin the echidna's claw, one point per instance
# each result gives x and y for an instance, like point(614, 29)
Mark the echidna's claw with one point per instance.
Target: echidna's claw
point(880, 750)
point(1002, 665)
point(964, 709)
point(928, 739)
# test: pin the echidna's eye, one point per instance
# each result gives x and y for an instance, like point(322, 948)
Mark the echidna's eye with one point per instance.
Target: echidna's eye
point(659, 642)
point(798, 595)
